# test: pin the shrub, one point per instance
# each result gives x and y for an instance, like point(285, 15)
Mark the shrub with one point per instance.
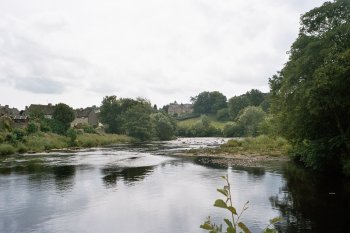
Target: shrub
point(233, 129)
point(89, 129)
point(223, 114)
point(33, 127)
point(72, 134)
point(10, 138)
point(22, 149)
point(19, 134)
point(6, 149)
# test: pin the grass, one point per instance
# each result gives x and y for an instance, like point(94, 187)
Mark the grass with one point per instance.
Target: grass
point(189, 122)
point(40, 142)
point(91, 140)
point(261, 145)
point(45, 141)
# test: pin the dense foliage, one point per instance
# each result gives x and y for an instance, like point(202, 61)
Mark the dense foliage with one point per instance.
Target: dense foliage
point(63, 115)
point(310, 95)
point(136, 118)
point(209, 102)
point(251, 98)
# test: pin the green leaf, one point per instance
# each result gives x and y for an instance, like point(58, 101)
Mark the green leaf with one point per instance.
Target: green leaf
point(206, 226)
point(223, 191)
point(231, 230)
point(220, 203)
point(228, 222)
point(244, 227)
point(276, 220)
point(232, 209)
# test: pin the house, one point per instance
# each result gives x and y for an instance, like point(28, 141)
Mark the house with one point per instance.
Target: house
point(38, 109)
point(20, 121)
point(179, 109)
point(7, 111)
point(86, 116)
point(13, 117)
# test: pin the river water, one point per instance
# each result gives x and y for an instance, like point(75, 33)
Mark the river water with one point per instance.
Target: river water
point(147, 188)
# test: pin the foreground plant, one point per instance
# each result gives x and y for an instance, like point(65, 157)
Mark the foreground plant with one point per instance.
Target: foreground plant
point(233, 225)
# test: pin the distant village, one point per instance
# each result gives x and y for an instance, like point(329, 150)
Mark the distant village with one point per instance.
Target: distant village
point(89, 115)
point(20, 118)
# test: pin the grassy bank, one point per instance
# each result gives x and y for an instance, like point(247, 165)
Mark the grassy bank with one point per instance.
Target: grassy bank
point(40, 142)
point(258, 146)
point(190, 122)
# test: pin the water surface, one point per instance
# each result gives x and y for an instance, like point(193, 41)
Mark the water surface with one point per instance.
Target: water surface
point(144, 188)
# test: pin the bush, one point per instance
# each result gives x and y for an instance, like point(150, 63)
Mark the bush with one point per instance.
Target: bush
point(6, 124)
point(202, 128)
point(233, 129)
point(223, 114)
point(33, 127)
point(6, 149)
point(10, 138)
point(45, 125)
point(19, 134)
point(89, 129)
point(58, 127)
point(164, 126)
point(22, 149)
point(72, 134)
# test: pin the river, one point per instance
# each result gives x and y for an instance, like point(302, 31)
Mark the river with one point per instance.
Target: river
point(148, 188)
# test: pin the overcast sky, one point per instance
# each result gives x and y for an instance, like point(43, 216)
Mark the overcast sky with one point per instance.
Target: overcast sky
point(78, 51)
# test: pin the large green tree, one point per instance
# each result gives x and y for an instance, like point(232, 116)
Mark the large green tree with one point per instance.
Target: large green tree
point(137, 121)
point(63, 115)
point(310, 95)
point(209, 102)
point(253, 97)
point(164, 125)
point(110, 114)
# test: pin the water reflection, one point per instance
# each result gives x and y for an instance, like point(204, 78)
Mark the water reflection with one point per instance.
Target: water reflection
point(39, 170)
point(220, 163)
point(64, 177)
point(312, 202)
point(129, 175)
point(156, 193)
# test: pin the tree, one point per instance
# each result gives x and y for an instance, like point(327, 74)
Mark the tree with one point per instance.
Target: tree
point(236, 104)
point(164, 125)
point(253, 97)
point(209, 102)
point(310, 96)
point(110, 114)
point(137, 121)
point(250, 118)
point(64, 115)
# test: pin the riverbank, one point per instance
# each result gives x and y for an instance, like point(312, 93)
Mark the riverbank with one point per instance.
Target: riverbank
point(40, 142)
point(245, 151)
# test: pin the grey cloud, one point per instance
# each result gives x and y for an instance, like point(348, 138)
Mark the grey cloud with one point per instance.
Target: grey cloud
point(28, 65)
point(40, 86)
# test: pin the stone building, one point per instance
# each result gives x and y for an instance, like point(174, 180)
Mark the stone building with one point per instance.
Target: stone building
point(46, 110)
point(85, 116)
point(179, 109)
point(7, 111)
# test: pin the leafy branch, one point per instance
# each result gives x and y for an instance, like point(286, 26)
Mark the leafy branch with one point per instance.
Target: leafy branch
point(233, 225)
